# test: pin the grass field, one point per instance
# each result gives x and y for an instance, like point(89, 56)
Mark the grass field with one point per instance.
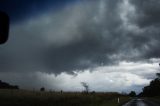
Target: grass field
point(35, 98)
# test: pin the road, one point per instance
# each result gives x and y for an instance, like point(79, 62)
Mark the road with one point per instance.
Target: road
point(141, 102)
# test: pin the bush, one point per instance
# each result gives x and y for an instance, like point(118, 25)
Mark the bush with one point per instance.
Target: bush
point(42, 89)
point(132, 94)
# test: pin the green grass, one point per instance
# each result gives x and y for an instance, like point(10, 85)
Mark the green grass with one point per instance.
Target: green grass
point(33, 98)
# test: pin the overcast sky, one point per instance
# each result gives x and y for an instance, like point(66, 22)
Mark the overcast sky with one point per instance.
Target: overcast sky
point(113, 45)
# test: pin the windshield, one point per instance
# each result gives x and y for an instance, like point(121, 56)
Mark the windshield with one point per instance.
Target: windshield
point(109, 45)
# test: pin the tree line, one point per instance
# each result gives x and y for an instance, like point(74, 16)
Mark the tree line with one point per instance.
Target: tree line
point(153, 89)
point(4, 85)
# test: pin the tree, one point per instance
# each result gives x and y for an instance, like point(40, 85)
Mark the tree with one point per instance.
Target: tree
point(153, 89)
point(42, 89)
point(86, 86)
point(132, 94)
point(158, 75)
point(4, 85)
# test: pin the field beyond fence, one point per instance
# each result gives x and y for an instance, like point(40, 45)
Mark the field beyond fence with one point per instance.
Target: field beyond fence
point(36, 98)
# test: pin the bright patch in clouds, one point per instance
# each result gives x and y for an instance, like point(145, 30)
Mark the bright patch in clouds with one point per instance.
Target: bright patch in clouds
point(123, 77)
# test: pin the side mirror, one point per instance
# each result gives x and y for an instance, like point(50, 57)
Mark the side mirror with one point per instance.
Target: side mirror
point(4, 27)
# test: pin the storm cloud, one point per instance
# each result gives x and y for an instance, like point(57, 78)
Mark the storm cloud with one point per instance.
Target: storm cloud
point(84, 35)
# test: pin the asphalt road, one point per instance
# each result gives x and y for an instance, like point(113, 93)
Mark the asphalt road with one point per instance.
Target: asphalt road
point(141, 102)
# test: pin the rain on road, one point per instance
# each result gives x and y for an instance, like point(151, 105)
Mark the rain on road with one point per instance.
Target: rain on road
point(141, 102)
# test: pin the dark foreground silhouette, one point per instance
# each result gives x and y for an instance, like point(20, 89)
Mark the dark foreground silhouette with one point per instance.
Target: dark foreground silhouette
point(4, 85)
point(153, 89)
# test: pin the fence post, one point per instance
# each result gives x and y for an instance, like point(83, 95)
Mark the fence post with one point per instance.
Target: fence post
point(118, 100)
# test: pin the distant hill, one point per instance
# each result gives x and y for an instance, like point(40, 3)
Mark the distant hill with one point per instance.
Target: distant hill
point(4, 85)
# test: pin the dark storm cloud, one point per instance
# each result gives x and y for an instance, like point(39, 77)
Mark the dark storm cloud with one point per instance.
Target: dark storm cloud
point(148, 12)
point(148, 19)
point(84, 35)
point(105, 38)
point(80, 55)
point(94, 48)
